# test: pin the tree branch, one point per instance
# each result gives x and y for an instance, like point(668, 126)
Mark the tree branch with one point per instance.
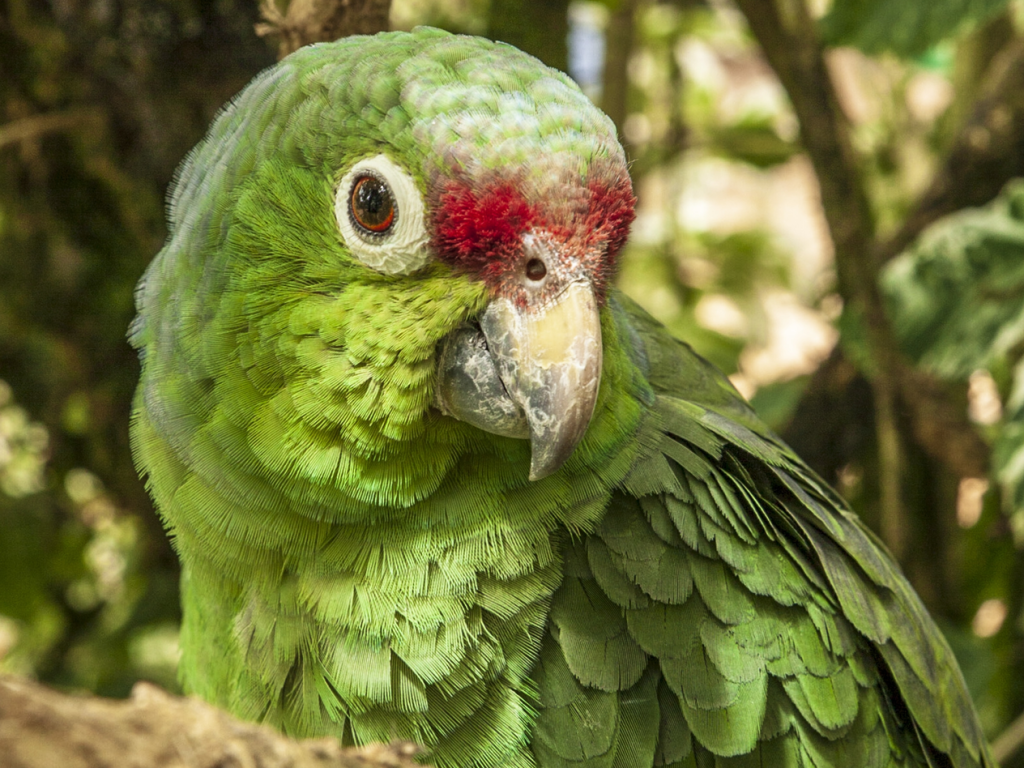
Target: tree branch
point(1010, 741)
point(789, 41)
point(41, 728)
point(986, 153)
point(316, 21)
point(32, 127)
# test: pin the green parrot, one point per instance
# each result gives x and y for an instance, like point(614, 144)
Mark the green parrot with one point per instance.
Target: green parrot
point(431, 478)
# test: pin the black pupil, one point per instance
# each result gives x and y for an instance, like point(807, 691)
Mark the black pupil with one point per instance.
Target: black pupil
point(535, 269)
point(372, 202)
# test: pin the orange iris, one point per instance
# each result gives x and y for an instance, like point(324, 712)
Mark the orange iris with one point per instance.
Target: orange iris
point(373, 206)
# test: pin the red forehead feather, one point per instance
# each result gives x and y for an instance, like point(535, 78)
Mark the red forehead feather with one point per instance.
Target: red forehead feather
point(610, 214)
point(481, 231)
point(480, 227)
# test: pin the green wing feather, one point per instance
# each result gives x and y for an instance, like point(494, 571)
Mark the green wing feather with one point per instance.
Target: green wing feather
point(730, 599)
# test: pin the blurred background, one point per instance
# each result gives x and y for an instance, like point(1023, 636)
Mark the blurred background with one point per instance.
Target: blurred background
point(828, 211)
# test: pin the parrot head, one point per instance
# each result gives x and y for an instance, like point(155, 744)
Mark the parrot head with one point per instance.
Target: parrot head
point(388, 247)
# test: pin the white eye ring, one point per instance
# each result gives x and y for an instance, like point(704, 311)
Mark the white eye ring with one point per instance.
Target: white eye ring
point(403, 247)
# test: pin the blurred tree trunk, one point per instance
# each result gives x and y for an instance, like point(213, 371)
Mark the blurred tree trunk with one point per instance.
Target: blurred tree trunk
point(539, 27)
point(319, 21)
point(618, 49)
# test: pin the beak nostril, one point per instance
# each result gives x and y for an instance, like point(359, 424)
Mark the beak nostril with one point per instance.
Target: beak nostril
point(535, 269)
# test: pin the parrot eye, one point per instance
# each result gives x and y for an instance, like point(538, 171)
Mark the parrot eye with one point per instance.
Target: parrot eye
point(380, 214)
point(373, 207)
point(536, 270)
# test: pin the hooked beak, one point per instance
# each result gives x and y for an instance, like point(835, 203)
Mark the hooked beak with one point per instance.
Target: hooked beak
point(534, 373)
point(549, 360)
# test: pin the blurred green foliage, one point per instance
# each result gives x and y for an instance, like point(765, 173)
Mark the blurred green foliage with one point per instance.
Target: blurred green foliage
point(99, 101)
point(907, 27)
point(957, 303)
point(956, 300)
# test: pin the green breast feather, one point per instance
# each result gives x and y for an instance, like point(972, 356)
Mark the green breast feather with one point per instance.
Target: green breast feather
point(431, 478)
